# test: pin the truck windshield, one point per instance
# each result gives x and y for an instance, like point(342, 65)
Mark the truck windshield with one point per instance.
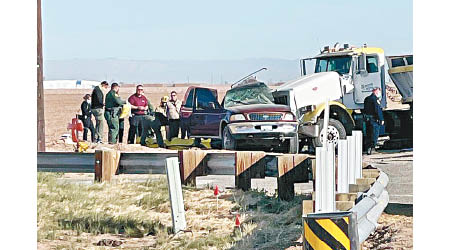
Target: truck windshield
point(339, 64)
point(252, 94)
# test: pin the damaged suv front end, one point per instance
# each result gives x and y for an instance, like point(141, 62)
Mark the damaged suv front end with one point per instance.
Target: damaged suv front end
point(255, 121)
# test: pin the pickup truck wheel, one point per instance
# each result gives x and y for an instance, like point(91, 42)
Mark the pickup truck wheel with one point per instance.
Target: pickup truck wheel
point(336, 131)
point(293, 145)
point(228, 142)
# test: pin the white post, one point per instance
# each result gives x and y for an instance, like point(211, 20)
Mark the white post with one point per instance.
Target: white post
point(318, 180)
point(176, 195)
point(351, 159)
point(330, 181)
point(325, 179)
point(358, 153)
point(342, 185)
point(326, 118)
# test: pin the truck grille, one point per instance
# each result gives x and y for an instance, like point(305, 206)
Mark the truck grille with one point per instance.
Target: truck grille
point(265, 117)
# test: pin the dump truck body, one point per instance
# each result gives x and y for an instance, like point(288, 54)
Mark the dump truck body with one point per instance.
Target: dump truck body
point(401, 73)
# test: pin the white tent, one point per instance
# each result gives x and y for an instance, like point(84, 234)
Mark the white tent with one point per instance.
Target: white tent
point(70, 84)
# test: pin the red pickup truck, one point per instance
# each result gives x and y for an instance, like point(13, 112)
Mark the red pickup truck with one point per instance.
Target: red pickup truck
point(247, 118)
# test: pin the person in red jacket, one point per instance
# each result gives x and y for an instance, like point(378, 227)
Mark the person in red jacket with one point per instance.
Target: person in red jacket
point(140, 103)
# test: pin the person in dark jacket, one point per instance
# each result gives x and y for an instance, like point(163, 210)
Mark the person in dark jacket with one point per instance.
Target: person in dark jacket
point(97, 106)
point(86, 114)
point(152, 123)
point(113, 104)
point(374, 119)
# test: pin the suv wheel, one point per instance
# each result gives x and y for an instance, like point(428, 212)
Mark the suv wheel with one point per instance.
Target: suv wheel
point(228, 142)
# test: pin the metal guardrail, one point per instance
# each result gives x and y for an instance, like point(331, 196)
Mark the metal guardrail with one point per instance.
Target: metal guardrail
point(219, 163)
point(144, 163)
point(370, 208)
point(66, 162)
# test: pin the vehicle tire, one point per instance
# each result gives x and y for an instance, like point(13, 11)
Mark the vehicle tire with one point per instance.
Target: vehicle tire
point(336, 131)
point(293, 145)
point(228, 142)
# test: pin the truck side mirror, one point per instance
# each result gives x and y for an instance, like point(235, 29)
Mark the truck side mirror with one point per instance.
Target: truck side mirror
point(362, 66)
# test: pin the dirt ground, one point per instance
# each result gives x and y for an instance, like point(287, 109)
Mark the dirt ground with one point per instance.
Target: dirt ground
point(395, 232)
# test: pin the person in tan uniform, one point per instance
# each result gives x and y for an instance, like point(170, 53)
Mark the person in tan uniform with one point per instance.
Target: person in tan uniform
point(161, 114)
point(173, 114)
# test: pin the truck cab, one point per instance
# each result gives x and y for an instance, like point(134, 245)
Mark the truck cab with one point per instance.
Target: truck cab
point(344, 76)
point(247, 118)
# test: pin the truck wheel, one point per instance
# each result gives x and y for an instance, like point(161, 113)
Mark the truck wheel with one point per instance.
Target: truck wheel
point(228, 142)
point(336, 131)
point(293, 145)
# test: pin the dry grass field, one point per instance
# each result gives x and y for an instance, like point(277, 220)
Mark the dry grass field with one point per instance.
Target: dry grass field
point(137, 216)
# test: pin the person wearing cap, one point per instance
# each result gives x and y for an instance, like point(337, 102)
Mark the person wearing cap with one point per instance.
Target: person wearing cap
point(151, 122)
point(97, 106)
point(137, 114)
point(173, 114)
point(113, 103)
point(374, 119)
point(86, 114)
point(161, 114)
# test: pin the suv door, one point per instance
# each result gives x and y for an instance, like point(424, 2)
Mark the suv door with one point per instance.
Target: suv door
point(187, 108)
point(207, 114)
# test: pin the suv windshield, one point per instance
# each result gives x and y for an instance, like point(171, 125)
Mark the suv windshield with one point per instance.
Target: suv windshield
point(251, 94)
point(339, 64)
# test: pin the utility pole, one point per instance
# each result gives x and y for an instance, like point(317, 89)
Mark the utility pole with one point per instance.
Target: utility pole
point(40, 88)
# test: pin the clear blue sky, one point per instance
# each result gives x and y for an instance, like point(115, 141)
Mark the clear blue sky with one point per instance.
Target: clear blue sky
point(220, 29)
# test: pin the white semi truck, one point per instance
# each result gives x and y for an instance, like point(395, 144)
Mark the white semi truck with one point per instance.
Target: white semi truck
point(345, 76)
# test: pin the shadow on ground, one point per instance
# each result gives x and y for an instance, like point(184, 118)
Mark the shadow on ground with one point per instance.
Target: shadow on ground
point(399, 209)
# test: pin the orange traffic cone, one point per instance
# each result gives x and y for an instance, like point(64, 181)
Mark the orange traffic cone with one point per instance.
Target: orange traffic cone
point(237, 222)
point(216, 191)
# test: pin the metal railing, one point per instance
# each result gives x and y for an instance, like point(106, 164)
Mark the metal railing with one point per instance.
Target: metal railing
point(371, 206)
point(219, 163)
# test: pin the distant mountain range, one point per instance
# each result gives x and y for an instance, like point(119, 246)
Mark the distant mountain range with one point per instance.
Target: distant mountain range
point(170, 71)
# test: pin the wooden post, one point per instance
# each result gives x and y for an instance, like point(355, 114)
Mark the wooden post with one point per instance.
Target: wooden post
point(192, 164)
point(106, 164)
point(248, 165)
point(307, 207)
point(291, 169)
point(40, 88)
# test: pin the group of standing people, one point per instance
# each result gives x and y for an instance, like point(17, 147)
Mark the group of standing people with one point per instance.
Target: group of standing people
point(144, 120)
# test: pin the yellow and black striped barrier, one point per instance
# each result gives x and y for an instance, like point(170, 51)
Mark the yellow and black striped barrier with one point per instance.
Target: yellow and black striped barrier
point(330, 231)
